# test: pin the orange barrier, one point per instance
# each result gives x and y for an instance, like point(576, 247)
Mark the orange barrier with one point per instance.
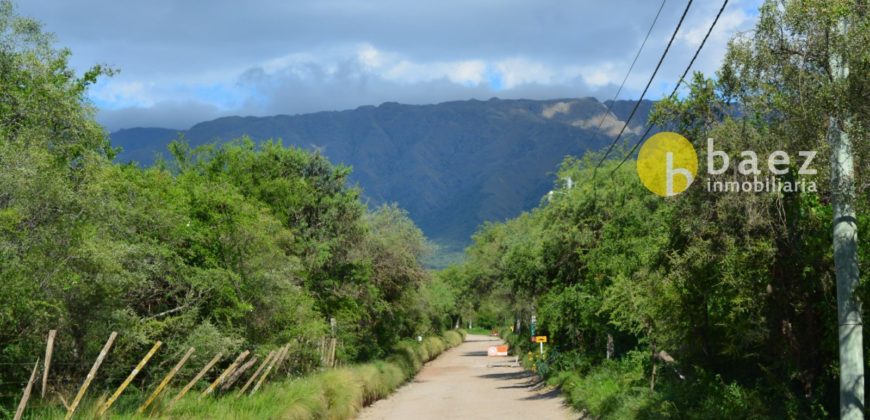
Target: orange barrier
point(497, 351)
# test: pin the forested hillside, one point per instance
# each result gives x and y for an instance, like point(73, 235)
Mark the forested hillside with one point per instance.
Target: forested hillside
point(222, 248)
point(706, 304)
point(452, 165)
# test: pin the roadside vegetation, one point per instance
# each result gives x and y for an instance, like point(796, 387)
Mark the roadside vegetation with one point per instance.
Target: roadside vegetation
point(222, 248)
point(337, 393)
point(703, 305)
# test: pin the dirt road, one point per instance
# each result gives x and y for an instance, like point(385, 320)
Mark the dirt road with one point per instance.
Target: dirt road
point(459, 385)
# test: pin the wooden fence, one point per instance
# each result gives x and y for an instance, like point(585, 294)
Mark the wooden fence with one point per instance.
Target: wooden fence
point(222, 384)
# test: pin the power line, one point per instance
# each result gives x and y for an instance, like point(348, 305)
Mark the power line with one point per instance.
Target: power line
point(674, 93)
point(645, 89)
point(630, 68)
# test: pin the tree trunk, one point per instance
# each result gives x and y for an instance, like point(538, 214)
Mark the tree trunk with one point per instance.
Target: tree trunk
point(609, 346)
point(652, 377)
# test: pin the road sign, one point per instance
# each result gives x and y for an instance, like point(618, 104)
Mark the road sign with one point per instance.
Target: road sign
point(540, 338)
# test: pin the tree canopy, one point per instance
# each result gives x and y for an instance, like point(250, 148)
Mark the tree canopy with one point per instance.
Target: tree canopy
point(222, 247)
point(737, 289)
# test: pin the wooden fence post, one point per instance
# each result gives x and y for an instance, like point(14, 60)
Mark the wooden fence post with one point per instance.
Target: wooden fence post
point(49, 348)
point(225, 373)
point(194, 380)
point(323, 350)
point(26, 396)
point(129, 379)
point(283, 357)
point(91, 375)
point(278, 357)
point(238, 373)
point(332, 343)
point(253, 377)
point(62, 399)
point(165, 381)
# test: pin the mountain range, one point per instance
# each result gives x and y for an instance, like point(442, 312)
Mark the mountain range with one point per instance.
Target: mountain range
point(452, 165)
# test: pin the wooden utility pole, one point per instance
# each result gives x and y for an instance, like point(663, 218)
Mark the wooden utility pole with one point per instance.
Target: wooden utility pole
point(845, 238)
point(91, 375)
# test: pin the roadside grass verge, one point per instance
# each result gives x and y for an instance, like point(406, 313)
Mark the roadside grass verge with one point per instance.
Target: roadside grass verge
point(333, 394)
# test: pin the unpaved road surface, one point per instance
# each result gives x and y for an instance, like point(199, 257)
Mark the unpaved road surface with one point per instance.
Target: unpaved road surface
point(459, 385)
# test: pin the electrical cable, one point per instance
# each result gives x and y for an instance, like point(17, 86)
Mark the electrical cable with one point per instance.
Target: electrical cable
point(631, 67)
point(673, 94)
point(648, 84)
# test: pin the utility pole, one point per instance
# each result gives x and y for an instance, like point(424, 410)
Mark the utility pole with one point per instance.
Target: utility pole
point(845, 238)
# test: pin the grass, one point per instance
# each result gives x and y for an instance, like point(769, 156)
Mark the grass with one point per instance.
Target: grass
point(333, 394)
point(479, 331)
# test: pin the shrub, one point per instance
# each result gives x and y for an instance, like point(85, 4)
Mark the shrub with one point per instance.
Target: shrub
point(454, 337)
point(406, 357)
point(434, 346)
point(619, 389)
point(343, 393)
point(608, 389)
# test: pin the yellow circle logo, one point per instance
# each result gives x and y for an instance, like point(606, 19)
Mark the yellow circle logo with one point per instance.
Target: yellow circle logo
point(667, 164)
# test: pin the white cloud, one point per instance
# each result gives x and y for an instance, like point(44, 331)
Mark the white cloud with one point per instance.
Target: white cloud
point(469, 72)
point(114, 94)
point(729, 22)
point(602, 74)
point(371, 57)
point(517, 71)
point(312, 55)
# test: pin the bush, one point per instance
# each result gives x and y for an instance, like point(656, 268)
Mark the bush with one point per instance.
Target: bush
point(704, 396)
point(434, 346)
point(619, 389)
point(406, 358)
point(454, 337)
point(343, 392)
point(612, 389)
point(378, 380)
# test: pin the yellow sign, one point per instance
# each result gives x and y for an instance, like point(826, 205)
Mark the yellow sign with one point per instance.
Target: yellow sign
point(667, 164)
point(540, 338)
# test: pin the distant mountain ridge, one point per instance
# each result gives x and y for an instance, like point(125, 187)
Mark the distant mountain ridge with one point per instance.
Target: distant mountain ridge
point(452, 165)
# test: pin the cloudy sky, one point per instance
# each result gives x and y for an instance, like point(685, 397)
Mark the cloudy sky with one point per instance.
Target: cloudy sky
point(182, 62)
